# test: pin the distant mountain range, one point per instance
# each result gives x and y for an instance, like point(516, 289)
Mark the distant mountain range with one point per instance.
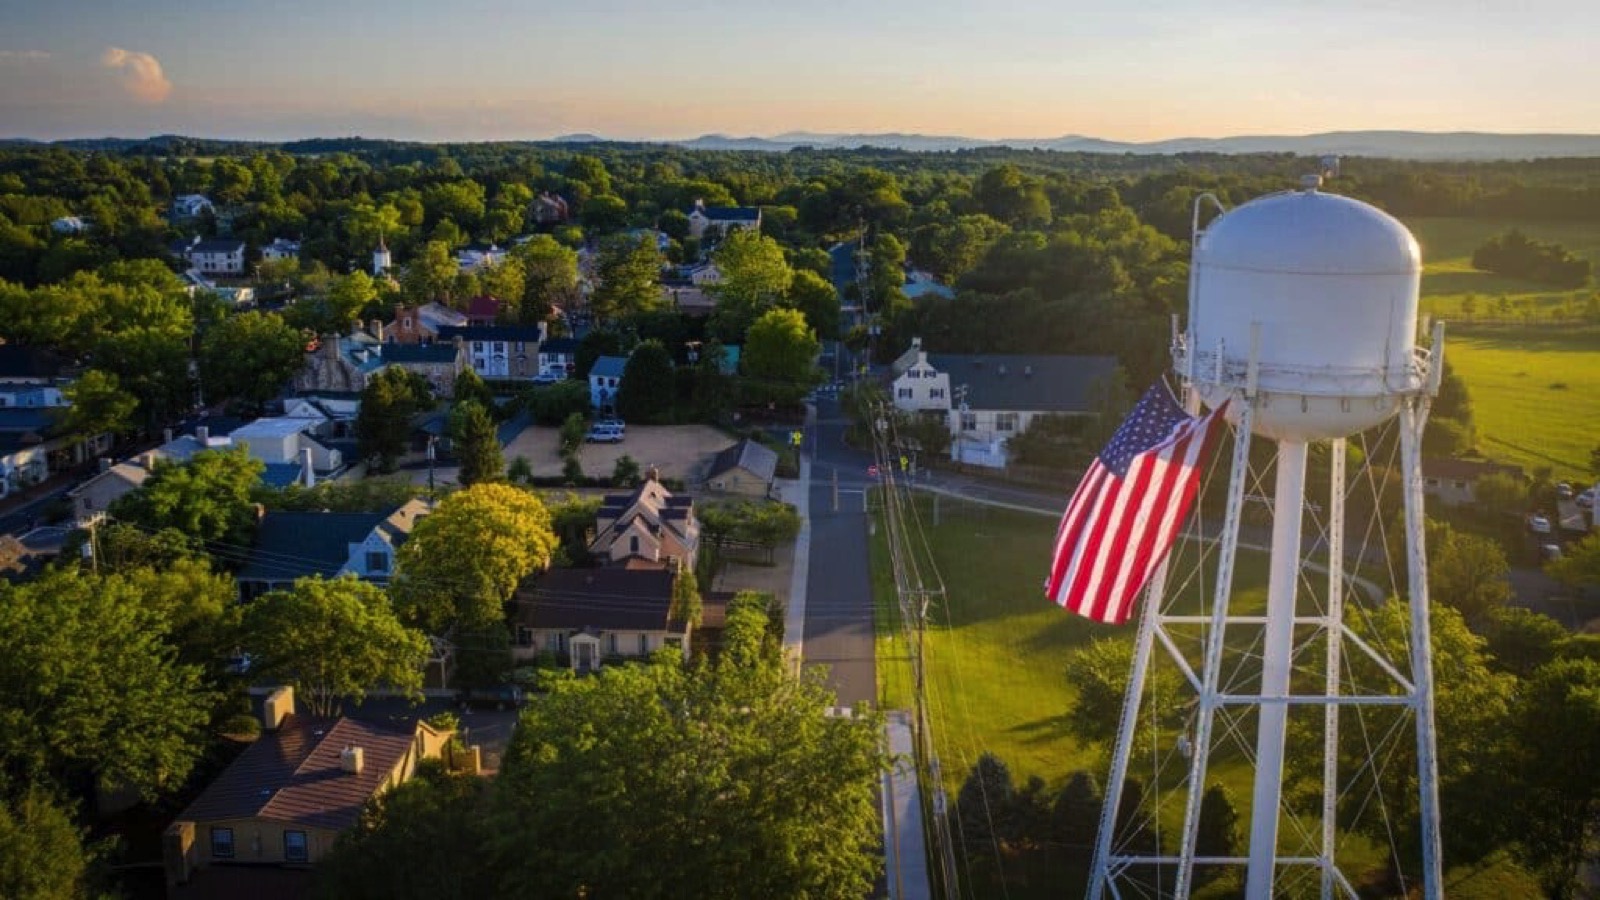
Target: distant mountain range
point(1464, 145)
point(1421, 145)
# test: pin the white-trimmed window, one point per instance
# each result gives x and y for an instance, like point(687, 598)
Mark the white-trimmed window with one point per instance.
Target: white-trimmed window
point(935, 393)
point(222, 843)
point(1006, 421)
point(904, 393)
point(969, 421)
point(377, 561)
point(644, 644)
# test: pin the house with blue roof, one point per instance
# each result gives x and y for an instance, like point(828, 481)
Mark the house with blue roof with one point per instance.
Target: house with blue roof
point(724, 219)
point(293, 545)
point(604, 379)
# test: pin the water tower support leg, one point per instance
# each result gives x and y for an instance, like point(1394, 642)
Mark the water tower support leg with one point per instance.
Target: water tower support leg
point(1413, 418)
point(1277, 657)
point(1334, 632)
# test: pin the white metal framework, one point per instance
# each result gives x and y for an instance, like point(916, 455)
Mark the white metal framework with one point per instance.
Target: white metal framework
point(1246, 674)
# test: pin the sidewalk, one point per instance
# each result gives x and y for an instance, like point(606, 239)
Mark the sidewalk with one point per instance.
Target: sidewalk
point(798, 493)
point(905, 847)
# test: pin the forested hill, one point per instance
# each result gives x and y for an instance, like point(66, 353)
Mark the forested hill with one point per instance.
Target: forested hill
point(1416, 145)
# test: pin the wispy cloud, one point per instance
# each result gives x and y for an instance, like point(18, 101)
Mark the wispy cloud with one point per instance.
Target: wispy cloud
point(140, 74)
point(21, 56)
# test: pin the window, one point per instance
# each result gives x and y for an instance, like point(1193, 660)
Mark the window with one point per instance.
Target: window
point(644, 644)
point(294, 847)
point(222, 843)
point(1459, 485)
point(904, 393)
point(1006, 421)
point(524, 636)
point(611, 643)
point(406, 322)
point(969, 421)
point(935, 393)
point(913, 373)
point(1433, 482)
point(633, 543)
point(377, 561)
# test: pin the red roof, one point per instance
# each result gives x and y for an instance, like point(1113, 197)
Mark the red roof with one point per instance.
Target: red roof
point(293, 775)
point(484, 307)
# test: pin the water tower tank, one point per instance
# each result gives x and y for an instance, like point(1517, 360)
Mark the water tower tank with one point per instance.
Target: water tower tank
point(1332, 282)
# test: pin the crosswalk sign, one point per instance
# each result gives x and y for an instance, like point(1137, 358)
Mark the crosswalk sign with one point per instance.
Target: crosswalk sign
point(795, 438)
point(905, 463)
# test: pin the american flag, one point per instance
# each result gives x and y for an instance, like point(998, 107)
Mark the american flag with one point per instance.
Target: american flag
point(1122, 519)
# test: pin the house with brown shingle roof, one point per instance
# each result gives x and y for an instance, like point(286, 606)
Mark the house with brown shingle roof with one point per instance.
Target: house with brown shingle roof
point(285, 799)
point(650, 523)
point(586, 617)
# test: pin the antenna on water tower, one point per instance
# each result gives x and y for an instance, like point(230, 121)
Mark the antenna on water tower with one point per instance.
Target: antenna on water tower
point(1302, 317)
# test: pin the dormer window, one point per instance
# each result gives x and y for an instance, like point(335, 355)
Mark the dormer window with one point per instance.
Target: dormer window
point(377, 562)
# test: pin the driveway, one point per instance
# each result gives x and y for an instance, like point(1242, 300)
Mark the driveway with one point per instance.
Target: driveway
point(677, 451)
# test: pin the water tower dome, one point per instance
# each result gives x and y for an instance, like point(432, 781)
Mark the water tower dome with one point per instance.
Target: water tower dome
point(1332, 283)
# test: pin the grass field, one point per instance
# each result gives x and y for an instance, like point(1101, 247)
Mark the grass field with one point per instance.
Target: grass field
point(1536, 391)
point(996, 657)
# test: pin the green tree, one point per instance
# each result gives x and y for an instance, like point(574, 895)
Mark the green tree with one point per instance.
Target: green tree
point(98, 405)
point(91, 687)
point(686, 604)
point(550, 277)
point(507, 281)
point(779, 355)
point(1010, 196)
point(983, 812)
point(604, 214)
point(347, 296)
point(334, 641)
point(1579, 565)
point(423, 840)
point(250, 357)
point(1521, 640)
point(1557, 748)
point(628, 272)
point(1099, 671)
point(755, 278)
point(573, 430)
point(572, 469)
point(206, 498)
point(477, 444)
point(153, 365)
point(42, 856)
point(471, 388)
point(609, 762)
point(1469, 573)
point(816, 299)
point(552, 404)
point(1217, 833)
point(626, 472)
point(391, 399)
point(713, 389)
point(430, 275)
point(1076, 814)
point(647, 389)
point(438, 587)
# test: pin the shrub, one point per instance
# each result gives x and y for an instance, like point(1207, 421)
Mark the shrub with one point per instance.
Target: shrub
point(242, 725)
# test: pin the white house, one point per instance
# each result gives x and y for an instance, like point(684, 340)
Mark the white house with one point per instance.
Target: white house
point(557, 357)
point(503, 352)
point(287, 444)
point(724, 219)
point(187, 206)
point(604, 379)
point(69, 225)
point(987, 399)
point(281, 248)
point(215, 256)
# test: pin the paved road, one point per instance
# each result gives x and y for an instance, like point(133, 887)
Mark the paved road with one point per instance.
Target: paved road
point(838, 620)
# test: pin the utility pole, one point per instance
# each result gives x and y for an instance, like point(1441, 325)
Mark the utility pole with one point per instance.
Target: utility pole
point(836, 489)
point(431, 440)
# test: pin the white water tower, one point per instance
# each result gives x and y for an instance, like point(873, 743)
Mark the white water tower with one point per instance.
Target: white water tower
point(1302, 316)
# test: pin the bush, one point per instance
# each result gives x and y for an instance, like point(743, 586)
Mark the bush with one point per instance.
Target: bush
point(444, 721)
point(1519, 256)
point(573, 430)
point(242, 725)
point(572, 470)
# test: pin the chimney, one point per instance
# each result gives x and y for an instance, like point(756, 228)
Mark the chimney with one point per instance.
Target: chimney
point(166, 435)
point(916, 343)
point(148, 460)
point(279, 705)
point(308, 474)
point(652, 474)
point(105, 463)
point(355, 328)
point(351, 759)
point(202, 433)
point(375, 328)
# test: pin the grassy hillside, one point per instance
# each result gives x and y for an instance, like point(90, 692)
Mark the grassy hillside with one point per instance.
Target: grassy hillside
point(1448, 277)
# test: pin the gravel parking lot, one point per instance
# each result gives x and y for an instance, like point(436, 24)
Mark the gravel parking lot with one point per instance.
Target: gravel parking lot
point(677, 451)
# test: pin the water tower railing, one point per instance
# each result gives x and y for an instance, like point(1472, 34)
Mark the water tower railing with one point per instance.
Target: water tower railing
point(1314, 381)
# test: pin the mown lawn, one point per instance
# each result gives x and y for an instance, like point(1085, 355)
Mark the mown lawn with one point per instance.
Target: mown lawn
point(1448, 277)
point(997, 653)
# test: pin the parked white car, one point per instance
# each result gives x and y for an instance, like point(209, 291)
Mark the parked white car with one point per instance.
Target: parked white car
point(1586, 499)
point(599, 434)
point(1539, 524)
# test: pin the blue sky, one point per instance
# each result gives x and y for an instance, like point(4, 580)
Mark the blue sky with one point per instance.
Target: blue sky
point(474, 70)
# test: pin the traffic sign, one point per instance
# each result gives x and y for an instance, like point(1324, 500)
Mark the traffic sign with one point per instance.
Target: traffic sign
point(795, 437)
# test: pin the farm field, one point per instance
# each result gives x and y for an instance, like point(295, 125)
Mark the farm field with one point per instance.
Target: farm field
point(1535, 391)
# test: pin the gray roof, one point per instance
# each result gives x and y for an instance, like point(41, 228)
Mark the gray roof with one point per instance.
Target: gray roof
point(1058, 384)
point(755, 458)
point(292, 545)
point(217, 245)
point(610, 598)
point(730, 213)
point(525, 333)
point(30, 362)
point(420, 353)
point(609, 366)
point(559, 345)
